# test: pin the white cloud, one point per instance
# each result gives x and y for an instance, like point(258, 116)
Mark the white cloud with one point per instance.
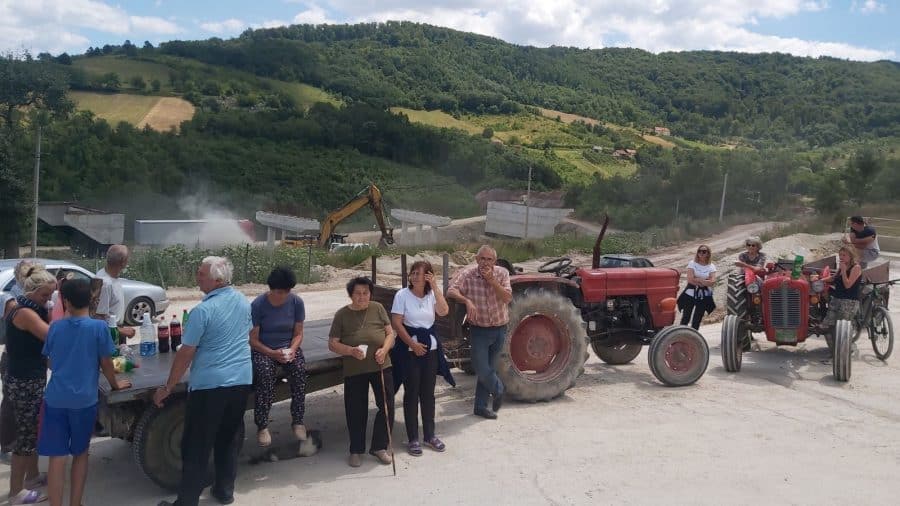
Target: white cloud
point(868, 6)
point(229, 26)
point(149, 24)
point(313, 15)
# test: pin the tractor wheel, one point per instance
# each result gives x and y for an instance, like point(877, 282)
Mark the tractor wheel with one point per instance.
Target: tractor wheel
point(618, 354)
point(843, 335)
point(545, 350)
point(736, 295)
point(157, 444)
point(678, 356)
point(732, 345)
point(881, 333)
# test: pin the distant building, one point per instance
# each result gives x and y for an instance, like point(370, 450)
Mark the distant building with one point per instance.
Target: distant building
point(662, 131)
point(597, 149)
point(624, 153)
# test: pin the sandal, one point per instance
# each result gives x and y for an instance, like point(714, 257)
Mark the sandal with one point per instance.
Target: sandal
point(436, 444)
point(26, 496)
point(37, 482)
point(414, 449)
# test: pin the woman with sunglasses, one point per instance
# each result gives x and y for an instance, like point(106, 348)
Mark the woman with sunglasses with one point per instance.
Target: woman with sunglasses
point(753, 258)
point(697, 299)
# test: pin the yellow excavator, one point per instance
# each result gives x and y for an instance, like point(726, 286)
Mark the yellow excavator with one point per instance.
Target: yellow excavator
point(370, 196)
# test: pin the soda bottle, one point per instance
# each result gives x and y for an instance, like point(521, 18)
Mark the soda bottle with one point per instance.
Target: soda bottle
point(112, 325)
point(184, 319)
point(148, 337)
point(162, 336)
point(798, 267)
point(175, 332)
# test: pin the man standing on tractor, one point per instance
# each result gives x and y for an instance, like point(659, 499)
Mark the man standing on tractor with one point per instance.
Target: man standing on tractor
point(864, 238)
point(486, 291)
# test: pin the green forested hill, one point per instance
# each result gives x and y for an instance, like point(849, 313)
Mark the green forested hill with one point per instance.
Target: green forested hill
point(712, 96)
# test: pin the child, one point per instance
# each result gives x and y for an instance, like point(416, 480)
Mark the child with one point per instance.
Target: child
point(77, 346)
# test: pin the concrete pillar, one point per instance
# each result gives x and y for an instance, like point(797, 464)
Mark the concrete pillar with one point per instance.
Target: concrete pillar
point(403, 229)
point(418, 234)
point(270, 239)
point(433, 235)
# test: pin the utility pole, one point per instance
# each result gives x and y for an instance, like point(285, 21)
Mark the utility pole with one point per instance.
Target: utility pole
point(677, 204)
point(37, 185)
point(527, 201)
point(722, 205)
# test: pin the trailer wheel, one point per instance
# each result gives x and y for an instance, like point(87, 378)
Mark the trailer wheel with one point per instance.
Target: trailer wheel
point(618, 354)
point(678, 356)
point(732, 347)
point(157, 444)
point(545, 350)
point(843, 335)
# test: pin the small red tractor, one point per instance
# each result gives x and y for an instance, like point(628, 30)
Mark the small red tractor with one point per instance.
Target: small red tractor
point(788, 308)
point(558, 312)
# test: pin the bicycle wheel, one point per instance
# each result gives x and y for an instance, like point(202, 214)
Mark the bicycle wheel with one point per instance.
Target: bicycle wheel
point(881, 332)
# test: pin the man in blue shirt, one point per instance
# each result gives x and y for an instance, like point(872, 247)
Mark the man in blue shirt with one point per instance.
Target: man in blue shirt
point(216, 346)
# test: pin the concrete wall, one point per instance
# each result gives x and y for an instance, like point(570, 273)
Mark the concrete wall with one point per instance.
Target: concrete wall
point(103, 228)
point(508, 218)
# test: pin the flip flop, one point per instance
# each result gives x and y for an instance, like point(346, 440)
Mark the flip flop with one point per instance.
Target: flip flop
point(26, 496)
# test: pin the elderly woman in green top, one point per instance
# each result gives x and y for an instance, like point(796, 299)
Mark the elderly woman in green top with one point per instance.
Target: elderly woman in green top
point(361, 332)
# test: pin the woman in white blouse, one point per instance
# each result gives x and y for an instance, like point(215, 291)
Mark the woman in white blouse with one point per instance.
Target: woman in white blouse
point(697, 299)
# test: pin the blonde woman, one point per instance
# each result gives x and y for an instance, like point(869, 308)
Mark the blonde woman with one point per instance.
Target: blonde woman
point(26, 329)
point(697, 299)
point(844, 301)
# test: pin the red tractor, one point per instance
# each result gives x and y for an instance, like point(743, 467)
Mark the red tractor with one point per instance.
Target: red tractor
point(788, 307)
point(556, 313)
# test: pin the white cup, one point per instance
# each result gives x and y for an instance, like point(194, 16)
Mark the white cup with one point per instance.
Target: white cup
point(286, 353)
point(364, 348)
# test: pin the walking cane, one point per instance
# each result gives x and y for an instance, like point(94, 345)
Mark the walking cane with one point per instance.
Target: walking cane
point(387, 422)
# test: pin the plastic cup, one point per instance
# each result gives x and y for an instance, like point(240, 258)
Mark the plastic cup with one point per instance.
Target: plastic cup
point(364, 348)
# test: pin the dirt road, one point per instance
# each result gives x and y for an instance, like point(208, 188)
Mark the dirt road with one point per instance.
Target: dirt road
point(779, 432)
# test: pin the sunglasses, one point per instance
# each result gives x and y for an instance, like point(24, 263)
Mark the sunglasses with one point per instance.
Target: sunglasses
point(751, 245)
point(703, 252)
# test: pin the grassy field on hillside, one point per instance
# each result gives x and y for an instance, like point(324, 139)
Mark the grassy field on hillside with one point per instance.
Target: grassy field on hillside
point(126, 68)
point(526, 128)
point(303, 94)
point(437, 119)
point(115, 107)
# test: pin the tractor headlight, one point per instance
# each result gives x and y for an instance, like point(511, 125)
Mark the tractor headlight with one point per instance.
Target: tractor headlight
point(818, 286)
point(753, 287)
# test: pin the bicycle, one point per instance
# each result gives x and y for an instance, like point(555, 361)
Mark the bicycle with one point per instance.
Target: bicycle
point(873, 315)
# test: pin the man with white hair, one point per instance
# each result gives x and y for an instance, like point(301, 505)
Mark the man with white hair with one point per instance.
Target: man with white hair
point(112, 295)
point(216, 346)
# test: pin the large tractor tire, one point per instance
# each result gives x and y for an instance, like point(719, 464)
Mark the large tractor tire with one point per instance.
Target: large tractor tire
point(678, 356)
point(619, 354)
point(157, 444)
point(843, 336)
point(545, 350)
point(732, 343)
point(736, 295)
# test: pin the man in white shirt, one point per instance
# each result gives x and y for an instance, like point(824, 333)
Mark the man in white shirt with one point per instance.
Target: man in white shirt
point(112, 297)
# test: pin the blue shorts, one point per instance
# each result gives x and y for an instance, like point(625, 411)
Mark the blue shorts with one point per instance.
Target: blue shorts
point(66, 431)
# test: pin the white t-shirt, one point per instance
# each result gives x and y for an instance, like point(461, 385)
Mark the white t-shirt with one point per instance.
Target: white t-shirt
point(700, 272)
point(112, 297)
point(417, 312)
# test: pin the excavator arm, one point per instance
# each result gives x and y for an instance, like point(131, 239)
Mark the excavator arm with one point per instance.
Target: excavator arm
point(371, 197)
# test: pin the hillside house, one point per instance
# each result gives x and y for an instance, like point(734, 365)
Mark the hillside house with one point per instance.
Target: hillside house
point(662, 131)
point(625, 153)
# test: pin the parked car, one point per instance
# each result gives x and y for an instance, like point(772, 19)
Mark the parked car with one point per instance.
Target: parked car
point(140, 297)
point(608, 261)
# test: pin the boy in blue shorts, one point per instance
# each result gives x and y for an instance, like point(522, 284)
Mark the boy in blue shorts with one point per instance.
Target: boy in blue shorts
point(77, 347)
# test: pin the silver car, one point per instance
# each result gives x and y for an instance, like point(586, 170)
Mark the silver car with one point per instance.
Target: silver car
point(140, 297)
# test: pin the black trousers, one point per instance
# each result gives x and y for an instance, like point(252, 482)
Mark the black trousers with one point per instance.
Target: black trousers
point(356, 407)
point(419, 388)
point(698, 307)
point(212, 423)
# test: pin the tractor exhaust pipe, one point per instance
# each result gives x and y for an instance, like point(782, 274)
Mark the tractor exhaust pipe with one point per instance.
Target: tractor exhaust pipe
point(595, 262)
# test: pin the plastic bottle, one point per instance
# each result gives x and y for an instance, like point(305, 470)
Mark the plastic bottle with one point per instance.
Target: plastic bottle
point(162, 336)
point(184, 319)
point(148, 337)
point(798, 267)
point(112, 325)
point(175, 332)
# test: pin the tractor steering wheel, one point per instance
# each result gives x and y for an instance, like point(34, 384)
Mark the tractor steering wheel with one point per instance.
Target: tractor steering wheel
point(556, 266)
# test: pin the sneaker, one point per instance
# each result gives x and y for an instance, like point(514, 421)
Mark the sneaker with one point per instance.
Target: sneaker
point(383, 456)
point(221, 497)
point(264, 438)
point(355, 460)
point(485, 413)
point(300, 432)
point(414, 449)
point(498, 402)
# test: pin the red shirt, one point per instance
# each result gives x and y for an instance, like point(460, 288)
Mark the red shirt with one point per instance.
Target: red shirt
point(491, 311)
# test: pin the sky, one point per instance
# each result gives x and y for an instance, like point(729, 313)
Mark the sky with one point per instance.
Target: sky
point(847, 29)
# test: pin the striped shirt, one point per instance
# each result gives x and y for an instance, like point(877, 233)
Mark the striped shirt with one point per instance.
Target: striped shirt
point(491, 311)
